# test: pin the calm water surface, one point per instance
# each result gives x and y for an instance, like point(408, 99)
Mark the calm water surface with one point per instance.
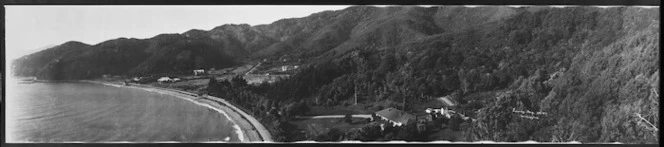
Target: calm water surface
point(68, 112)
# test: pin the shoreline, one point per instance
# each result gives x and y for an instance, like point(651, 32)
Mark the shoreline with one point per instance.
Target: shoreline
point(247, 127)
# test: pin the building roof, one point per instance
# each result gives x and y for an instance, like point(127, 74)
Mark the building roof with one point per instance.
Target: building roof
point(396, 115)
point(446, 101)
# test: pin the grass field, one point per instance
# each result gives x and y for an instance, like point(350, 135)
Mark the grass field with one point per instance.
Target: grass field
point(257, 78)
point(337, 110)
point(186, 85)
point(317, 126)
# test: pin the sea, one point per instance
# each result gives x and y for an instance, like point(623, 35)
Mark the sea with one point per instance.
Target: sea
point(85, 112)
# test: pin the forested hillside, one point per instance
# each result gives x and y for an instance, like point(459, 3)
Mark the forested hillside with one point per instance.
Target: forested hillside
point(595, 71)
point(329, 33)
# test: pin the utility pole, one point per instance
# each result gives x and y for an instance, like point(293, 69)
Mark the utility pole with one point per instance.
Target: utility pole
point(356, 93)
point(403, 107)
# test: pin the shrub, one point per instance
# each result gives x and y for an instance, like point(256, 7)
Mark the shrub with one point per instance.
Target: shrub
point(348, 118)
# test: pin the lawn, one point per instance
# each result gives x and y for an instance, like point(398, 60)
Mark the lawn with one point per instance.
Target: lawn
point(312, 127)
point(337, 110)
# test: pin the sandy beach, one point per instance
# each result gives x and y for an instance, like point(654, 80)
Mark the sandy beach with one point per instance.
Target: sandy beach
point(251, 130)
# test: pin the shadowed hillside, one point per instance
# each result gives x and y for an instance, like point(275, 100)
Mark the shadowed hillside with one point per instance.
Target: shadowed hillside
point(595, 71)
point(328, 33)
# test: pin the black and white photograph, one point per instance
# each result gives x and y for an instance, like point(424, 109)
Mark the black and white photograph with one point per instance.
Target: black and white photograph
point(432, 74)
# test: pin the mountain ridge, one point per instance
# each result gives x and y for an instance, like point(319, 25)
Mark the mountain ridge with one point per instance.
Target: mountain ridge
point(308, 36)
point(592, 69)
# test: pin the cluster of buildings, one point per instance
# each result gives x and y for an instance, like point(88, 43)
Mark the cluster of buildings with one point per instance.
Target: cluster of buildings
point(289, 67)
point(443, 107)
point(167, 79)
point(199, 72)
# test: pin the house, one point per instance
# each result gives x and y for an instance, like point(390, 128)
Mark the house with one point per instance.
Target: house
point(285, 68)
point(421, 127)
point(199, 72)
point(211, 71)
point(422, 120)
point(136, 79)
point(395, 116)
point(442, 107)
point(289, 67)
point(442, 112)
point(424, 117)
point(142, 79)
point(164, 79)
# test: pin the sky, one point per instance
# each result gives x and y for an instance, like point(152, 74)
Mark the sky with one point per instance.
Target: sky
point(31, 28)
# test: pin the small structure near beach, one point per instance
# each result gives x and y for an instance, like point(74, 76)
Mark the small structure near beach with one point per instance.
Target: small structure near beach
point(396, 116)
point(289, 67)
point(199, 72)
point(442, 106)
point(163, 79)
point(137, 79)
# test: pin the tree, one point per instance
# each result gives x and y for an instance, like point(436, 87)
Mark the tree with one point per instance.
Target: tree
point(355, 134)
point(333, 134)
point(348, 118)
point(388, 64)
point(408, 132)
point(213, 86)
point(277, 131)
point(238, 81)
point(440, 121)
point(455, 122)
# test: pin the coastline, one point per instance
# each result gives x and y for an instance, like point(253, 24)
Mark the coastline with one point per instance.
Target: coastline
point(248, 128)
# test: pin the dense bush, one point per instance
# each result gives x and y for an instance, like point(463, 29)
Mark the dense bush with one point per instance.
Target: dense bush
point(605, 62)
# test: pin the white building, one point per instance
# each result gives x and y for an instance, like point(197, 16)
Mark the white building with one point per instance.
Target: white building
point(199, 72)
point(164, 79)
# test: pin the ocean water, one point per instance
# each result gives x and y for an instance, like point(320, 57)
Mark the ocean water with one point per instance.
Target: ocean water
point(84, 112)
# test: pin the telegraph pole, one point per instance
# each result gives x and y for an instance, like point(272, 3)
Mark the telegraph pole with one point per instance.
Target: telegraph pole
point(356, 93)
point(403, 107)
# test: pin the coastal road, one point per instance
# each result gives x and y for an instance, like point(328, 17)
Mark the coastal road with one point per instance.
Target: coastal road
point(334, 116)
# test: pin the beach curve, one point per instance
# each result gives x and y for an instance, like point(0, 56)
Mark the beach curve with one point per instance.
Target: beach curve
point(248, 128)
